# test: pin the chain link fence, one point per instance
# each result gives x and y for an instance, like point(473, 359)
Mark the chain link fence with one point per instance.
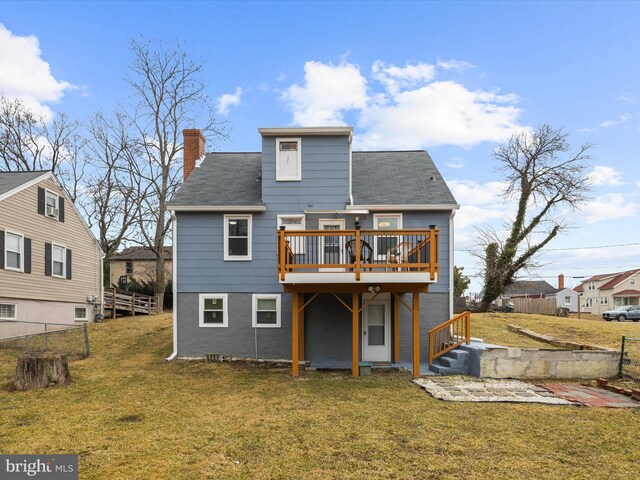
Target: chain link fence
point(18, 337)
point(630, 359)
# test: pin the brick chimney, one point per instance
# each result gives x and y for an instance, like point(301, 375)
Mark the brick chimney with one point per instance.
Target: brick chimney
point(194, 142)
point(561, 281)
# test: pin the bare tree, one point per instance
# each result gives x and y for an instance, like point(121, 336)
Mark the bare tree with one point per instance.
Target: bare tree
point(111, 198)
point(169, 95)
point(28, 142)
point(543, 176)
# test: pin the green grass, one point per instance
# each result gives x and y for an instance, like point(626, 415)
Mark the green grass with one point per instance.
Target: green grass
point(131, 415)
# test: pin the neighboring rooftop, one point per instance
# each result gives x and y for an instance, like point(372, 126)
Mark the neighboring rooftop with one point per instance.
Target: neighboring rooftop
point(11, 180)
point(141, 253)
point(614, 279)
point(530, 287)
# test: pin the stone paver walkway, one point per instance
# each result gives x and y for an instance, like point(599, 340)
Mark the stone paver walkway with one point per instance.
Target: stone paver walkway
point(592, 396)
point(465, 389)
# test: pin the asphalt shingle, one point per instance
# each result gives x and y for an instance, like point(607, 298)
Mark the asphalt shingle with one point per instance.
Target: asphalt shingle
point(11, 180)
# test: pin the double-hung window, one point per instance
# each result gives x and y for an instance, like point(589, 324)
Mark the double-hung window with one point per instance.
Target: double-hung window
point(52, 204)
point(237, 237)
point(14, 246)
point(58, 261)
point(266, 311)
point(214, 310)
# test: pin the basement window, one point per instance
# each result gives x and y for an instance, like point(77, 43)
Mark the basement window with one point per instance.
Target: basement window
point(7, 311)
point(214, 310)
point(266, 311)
point(81, 313)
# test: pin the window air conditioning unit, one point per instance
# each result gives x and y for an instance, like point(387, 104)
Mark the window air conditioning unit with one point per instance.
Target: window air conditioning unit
point(52, 211)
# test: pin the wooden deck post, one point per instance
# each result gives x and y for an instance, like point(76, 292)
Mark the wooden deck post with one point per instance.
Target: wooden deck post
point(281, 252)
point(295, 336)
point(301, 315)
point(113, 304)
point(133, 304)
point(396, 330)
point(358, 252)
point(416, 334)
point(355, 336)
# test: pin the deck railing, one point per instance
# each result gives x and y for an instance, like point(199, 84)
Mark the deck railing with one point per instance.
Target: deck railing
point(326, 251)
point(129, 302)
point(449, 335)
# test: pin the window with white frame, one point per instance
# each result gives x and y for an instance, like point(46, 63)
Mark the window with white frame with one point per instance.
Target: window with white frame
point(52, 202)
point(386, 221)
point(567, 300)
point(294, 223)
point(214, 310)
point(266, 310)
point(81, 313)
point(632, 281)
point(7, 311)
point(14, 251)
point(604, 300)
point(591, 286)
point(288, 160)
point(58, 261)
point(237, 237)
point(588, 303)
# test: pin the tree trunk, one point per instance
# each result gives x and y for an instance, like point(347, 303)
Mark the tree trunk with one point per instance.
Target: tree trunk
point(40, 370)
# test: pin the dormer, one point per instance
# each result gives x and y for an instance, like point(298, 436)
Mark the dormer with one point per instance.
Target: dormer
point(308, 168)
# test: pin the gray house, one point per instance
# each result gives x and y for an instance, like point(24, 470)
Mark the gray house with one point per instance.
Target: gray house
point(309, 251)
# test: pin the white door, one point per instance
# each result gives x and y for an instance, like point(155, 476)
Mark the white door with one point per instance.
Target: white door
point(376, 326)
point(331, 247)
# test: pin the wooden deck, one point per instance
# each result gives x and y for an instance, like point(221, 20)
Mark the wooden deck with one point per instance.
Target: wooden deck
point(129, 303)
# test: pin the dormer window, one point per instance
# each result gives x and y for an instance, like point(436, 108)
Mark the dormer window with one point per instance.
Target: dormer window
point(288, 160)
point(52, 202)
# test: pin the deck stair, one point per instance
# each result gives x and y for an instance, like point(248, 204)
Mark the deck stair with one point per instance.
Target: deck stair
point(454, 362)
point(123, 302)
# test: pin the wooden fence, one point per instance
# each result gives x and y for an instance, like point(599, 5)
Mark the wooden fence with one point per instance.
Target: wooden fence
point(129, 303)
point(539, 306)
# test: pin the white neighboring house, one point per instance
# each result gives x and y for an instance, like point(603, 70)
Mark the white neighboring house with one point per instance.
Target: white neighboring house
point(567, 298)
point(50, 261)
point(609, 291)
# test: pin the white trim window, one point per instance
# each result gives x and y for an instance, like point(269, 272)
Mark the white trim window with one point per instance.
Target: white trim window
point(52, 204)
point(604, 300)
point(237, 237)
point(567, 300)
point(632, 281)
point(591, 286)
point(288, 160)
point(14, 251)
point(386, 221)
point(213, 310)
point(58, 261)
point(8, 311)
point(266, 311)
point(80, 313)
point(588, 303)
point(294, 222)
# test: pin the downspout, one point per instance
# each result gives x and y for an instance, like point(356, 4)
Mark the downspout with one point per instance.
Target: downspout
point(451, 264)
point(350, 169)
point(174, 286)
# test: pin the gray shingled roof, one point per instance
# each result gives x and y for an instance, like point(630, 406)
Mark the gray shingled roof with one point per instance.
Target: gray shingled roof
point(141, 253)
point(223, 179)
point(530, 287)
point(379, 178)
point(398, 178)
point(11, 180)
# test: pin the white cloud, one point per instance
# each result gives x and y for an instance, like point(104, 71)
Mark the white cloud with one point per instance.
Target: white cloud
point(456, 162)
point(228, 100)
point(620, 120)
point(25, 75)
point(602, 175)
point(470, 215)
point(470, 192)
point(625, 97)
point(328, 91)
point(451, 64)
point(609, 207)
point(412, 110)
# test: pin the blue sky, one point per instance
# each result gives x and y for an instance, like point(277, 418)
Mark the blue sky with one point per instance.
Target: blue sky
point(454, 78)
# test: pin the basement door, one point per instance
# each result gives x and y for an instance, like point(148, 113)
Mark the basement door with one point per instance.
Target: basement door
point(376, 332)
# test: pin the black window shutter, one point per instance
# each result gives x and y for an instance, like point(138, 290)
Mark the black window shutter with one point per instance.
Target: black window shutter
point(41, 200)
point(2, 249)
point(61, 209)
point(68, 264)
point(27, 255)
point(47, 259)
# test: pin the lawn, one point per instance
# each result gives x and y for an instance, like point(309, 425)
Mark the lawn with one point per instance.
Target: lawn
point(130, 415)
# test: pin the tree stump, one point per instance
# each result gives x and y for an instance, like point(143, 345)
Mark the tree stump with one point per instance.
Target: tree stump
point(40, 370)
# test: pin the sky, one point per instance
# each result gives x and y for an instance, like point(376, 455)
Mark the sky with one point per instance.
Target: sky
point(453, 78)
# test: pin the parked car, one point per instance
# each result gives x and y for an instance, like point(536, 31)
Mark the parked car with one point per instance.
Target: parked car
point(631, 312)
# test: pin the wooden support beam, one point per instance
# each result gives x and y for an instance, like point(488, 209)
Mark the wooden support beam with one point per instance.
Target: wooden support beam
point(396, 330)
point(304, 305)
point(295, 336)
point(402, 302)
point(301, 301)
point(367, 302)
point(344, 303)
point(355, 336)
point(416, 335)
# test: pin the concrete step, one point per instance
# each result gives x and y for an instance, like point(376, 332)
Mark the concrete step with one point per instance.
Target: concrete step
point(452, 363)
point(440, 369)
point(458, 354)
